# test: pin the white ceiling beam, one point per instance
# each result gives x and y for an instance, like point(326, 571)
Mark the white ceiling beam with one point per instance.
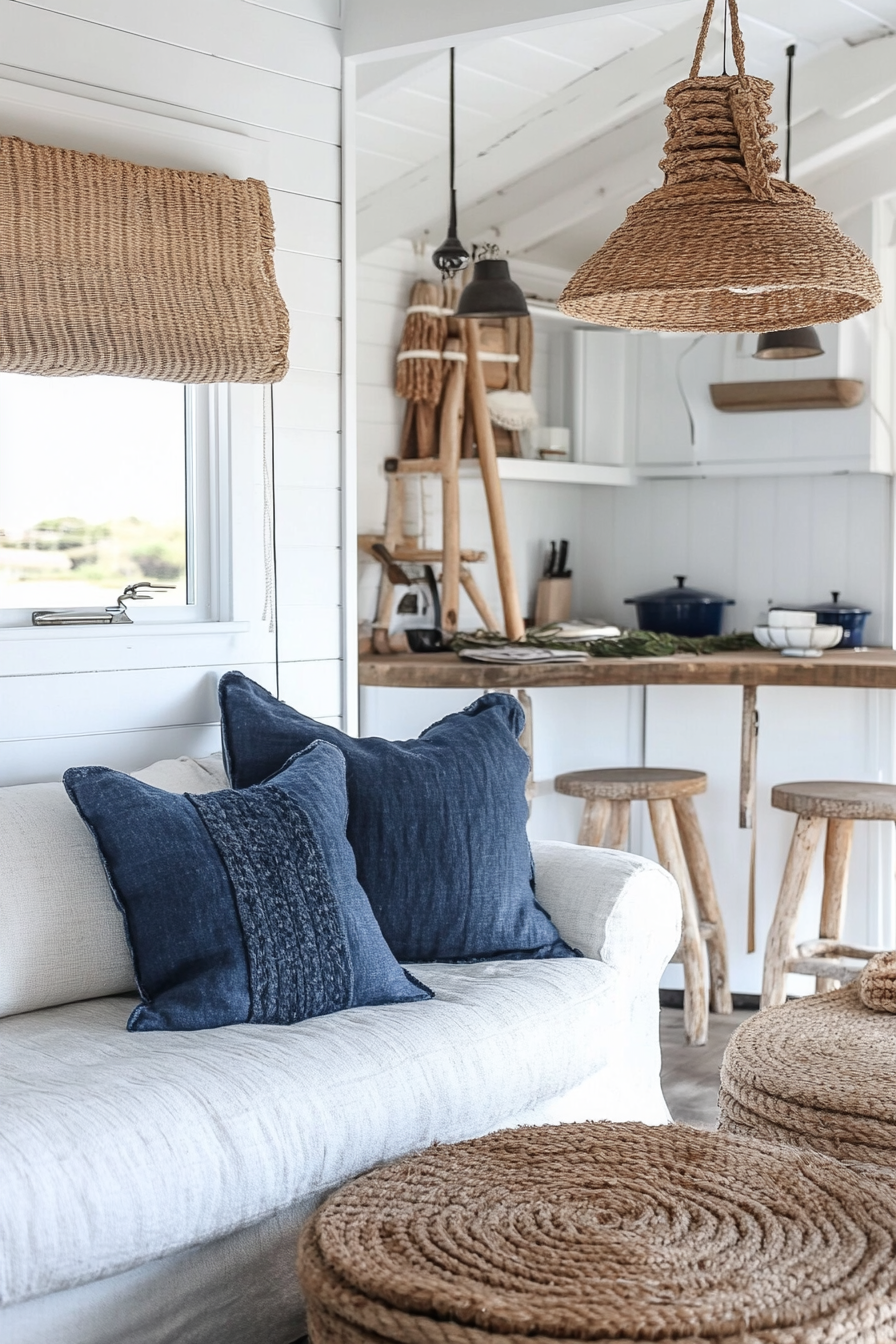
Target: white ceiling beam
point(570, 208)
point(823, 140)
point(863, 178)
point(571, 188)
point(380, 77)
point(588, 107)
point(373, 29)
point(846, 80)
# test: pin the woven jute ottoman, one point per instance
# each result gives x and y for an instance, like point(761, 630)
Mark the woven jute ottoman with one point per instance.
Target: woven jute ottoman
point(819, 1073)
point(604, 1232)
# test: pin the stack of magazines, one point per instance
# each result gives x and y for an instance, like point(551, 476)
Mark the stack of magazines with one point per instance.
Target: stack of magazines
point(573, 632)
point(518, 654)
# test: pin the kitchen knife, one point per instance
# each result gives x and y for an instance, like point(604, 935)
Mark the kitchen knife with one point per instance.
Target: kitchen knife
point(561, 572)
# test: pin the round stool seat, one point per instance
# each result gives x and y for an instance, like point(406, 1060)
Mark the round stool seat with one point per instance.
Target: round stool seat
point(839, 798)
point(603, 1232)
point(818, 1073)
point(631, 784)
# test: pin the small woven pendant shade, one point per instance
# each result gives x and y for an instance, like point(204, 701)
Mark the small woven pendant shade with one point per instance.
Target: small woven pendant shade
point(723, 245)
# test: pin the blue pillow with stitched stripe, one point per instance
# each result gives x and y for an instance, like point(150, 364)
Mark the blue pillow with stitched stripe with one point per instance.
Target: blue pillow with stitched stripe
point(438, 824)
point(241, 906)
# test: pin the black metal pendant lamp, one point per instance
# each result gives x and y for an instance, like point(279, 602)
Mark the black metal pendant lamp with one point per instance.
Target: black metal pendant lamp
point(799, 342)
point(491, 292)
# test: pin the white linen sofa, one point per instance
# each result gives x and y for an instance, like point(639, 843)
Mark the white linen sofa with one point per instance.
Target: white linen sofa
point(152, 1185)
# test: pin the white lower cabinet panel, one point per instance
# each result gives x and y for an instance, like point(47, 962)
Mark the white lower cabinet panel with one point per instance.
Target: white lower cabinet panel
point(803, 734)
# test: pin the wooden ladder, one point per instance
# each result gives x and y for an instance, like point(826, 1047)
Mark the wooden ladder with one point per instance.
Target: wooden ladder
point(464, 382)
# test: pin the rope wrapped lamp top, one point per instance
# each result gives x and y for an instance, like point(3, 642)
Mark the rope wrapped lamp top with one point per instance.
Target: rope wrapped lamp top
point(723, 244)
point(109, 267)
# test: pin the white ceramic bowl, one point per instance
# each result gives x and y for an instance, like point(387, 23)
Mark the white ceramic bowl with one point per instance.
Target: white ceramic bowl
point(802, 641)
point(791, 619)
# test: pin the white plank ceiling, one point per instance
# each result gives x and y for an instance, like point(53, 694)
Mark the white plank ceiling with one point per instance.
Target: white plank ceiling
point(560, 130)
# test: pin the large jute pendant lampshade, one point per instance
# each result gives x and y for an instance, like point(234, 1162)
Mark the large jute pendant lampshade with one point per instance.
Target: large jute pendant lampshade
point(723, 245)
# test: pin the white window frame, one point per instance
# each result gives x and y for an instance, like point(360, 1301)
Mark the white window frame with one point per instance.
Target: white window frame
point(208, 522)
point(222, 624)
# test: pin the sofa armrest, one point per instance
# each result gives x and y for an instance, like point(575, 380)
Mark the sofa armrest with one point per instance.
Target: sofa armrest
point(613, 906)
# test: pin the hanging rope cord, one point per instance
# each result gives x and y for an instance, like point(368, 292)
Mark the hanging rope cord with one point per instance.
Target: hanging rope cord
point(719, 127)
point(270, 613)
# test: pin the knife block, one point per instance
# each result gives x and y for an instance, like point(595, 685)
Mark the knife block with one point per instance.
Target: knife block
point(553, 601)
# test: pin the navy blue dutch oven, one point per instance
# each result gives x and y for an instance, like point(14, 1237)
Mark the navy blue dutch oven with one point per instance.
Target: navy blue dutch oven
point(681, 610)
point(851, 618)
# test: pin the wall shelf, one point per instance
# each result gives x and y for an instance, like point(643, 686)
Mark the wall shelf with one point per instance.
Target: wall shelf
point(798, 394)
point(557, 473)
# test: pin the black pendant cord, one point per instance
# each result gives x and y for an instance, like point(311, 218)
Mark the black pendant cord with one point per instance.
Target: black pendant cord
point(451, 256)
point(452, 216)
point(791, 52)
point(276, 609)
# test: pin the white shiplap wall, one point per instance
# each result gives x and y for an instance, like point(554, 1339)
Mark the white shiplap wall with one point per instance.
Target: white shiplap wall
point(271, 73)
point(385, 278)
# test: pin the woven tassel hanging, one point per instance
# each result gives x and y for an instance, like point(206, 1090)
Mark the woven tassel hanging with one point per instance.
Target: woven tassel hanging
point(419, 370)
point(723, 244)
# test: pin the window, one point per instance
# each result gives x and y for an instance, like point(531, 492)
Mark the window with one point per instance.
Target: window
point(103, 482)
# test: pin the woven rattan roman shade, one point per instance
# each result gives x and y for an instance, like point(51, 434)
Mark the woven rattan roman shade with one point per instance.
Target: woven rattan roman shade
point(117, 268)
point(723, 245)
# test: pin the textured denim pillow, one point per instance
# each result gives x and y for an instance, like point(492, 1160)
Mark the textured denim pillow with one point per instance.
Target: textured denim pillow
point(438, 824)
point(240, 907)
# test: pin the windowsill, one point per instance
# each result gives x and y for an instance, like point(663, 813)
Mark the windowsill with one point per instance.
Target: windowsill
point(139, 628)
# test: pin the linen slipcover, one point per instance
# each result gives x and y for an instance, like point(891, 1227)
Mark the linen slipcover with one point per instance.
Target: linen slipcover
point(63, 938)
point(119, 1149)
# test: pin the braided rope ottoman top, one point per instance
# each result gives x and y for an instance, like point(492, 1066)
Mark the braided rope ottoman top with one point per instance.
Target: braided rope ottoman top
point(604, 1232)
point(818, 1072)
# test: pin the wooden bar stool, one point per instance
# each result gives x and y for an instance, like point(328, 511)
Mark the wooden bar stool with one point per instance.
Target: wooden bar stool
point(609, 795)
point(837, 804)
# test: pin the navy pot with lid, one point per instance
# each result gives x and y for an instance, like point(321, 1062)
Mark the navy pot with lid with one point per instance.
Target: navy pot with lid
point(851, 618)
point(681, 611)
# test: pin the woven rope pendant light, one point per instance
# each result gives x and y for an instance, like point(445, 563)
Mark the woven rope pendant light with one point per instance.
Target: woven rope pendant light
point(723, 245)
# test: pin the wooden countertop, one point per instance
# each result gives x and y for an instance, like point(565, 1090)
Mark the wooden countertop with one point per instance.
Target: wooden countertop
point(874, 669)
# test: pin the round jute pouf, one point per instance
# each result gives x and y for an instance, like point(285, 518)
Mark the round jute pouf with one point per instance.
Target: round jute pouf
point(819, 1073)
point(604, 1232)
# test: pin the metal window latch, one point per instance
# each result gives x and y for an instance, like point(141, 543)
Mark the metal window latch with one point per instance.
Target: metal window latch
point(117, 615)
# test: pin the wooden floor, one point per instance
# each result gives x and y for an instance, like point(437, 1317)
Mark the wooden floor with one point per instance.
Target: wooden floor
point(691, 1073)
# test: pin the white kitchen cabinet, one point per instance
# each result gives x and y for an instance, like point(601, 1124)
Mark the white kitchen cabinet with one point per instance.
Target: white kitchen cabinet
point(642, 399)
point(604, 389)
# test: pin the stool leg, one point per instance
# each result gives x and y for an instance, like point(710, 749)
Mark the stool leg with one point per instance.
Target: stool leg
point(671, 856)
point(616, 836)
point(837, 851)
point(697, 859)
point(594, 821)
point(779, 947)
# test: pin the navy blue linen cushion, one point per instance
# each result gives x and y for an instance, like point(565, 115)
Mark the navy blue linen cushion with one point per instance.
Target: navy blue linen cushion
point(438, 824)
point(240, 907)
